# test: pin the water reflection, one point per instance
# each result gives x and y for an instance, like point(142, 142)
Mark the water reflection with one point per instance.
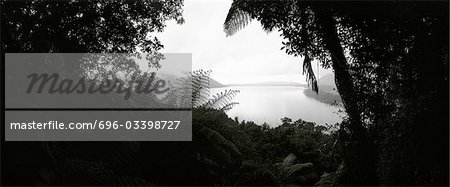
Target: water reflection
point(270, 103)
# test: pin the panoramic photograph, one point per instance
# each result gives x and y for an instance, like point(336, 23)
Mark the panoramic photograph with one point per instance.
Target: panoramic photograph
point(224, 93)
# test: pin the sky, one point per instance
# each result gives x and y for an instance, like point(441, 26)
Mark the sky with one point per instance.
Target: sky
point(249, 56)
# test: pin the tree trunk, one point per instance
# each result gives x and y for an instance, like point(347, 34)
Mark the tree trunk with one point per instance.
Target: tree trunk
point(360, 159)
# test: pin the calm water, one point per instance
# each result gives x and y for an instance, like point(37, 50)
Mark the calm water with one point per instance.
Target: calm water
point(270, 103)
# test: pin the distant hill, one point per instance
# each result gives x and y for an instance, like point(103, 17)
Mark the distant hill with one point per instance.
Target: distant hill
point(274, 83)
point(327, 80)
point(327, 91)
point(215, 84)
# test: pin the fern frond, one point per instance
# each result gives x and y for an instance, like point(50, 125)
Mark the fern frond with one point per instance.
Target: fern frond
point(200, 87)
point(236, 20)
point(229, 106)
point(196, 85)
point(214, 146)
point(180, 94)
point(233, 134)
point(222, 99)
point(308, 71)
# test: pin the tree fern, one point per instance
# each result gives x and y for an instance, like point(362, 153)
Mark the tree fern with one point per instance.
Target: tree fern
point(229, 106)
point(217, 144)
point(222, 100)
point(200, 87)
point(216, 147)
point(308, 71)
point(196, 85)
point(236, 19)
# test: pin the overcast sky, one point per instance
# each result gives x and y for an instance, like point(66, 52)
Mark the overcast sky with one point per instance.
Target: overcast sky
point(251, 55)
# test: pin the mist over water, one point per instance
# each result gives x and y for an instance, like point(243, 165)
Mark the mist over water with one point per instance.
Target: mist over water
point(271, 103)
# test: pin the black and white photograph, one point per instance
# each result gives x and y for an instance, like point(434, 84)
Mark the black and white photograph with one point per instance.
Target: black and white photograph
point(224, 93)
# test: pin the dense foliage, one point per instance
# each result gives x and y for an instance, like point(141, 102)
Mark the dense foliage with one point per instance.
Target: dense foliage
point(85, 26)
point(223, 152)
point(390, 61)
point(78, 27)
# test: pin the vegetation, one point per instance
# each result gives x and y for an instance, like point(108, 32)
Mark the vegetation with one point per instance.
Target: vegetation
point(326, 94)
point(224, 151)
point(390, 61)
point(391, 65)
point(85, 26)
